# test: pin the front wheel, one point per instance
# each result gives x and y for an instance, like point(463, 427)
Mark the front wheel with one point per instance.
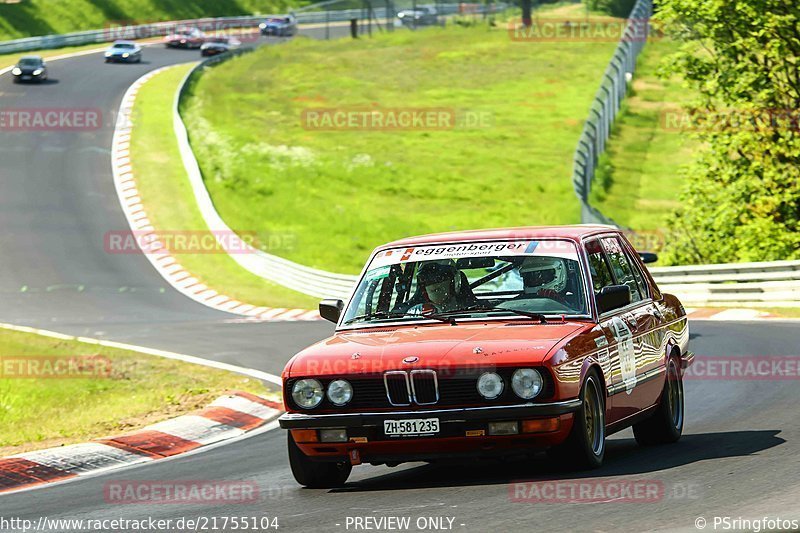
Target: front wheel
point(316, 475)
point(666, 424)
point(585, 446)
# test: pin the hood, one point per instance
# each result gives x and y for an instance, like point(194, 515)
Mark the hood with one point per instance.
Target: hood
point(468, 344)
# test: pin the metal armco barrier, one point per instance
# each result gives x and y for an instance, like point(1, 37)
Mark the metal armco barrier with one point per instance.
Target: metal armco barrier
point(605, 107)
point(160, 29)
point(767, 284)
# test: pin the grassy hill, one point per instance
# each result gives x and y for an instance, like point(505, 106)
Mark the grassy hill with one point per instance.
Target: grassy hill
point(640, 181)
point(340, 193)
point(43, 17)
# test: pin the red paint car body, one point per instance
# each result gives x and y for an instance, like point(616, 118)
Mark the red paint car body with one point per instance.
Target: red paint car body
point(609, 349)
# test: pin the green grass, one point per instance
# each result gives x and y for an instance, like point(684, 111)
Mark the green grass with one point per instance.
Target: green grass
point(640, 181)
point(38, 412)
point(46, 17)
point(169, 202)
point(341, 193)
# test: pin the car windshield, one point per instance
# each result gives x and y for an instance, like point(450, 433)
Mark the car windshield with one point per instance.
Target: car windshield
point(30, 62)
point(489, 279)
point(127, 46)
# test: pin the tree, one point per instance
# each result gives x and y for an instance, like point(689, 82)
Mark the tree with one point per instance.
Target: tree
point(742, 200)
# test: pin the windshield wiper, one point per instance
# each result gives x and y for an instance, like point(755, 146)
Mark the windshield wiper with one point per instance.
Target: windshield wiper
point(537, 316)
point(385, 314)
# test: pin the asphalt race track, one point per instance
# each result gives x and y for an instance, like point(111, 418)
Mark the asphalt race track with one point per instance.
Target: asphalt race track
point(740, 455)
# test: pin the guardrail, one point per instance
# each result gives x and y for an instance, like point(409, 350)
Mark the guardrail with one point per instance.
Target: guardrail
point(606, 104)
point(117, 31)
point(765, 284)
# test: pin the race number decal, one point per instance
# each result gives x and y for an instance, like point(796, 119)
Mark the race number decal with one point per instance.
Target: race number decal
point(627, 355)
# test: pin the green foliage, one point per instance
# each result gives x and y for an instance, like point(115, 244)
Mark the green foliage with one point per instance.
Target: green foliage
point(617, 8)
point(741, 202)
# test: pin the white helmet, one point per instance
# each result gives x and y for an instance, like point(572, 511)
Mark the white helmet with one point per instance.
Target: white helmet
point(543, 273)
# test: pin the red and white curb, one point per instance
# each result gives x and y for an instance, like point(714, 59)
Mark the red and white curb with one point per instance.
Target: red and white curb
point(165, 263)
point(226, 418)
point(729, 315)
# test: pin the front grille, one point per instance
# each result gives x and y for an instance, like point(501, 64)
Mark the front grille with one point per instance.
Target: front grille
point(424, 387)
point(398, 389)
point(452, 388)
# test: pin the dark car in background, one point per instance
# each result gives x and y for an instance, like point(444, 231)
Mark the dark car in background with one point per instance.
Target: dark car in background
point(124, 52)
point(30, 68)
point(185, 37)
point(279, 26)
point(219, 45)
point(421, 16)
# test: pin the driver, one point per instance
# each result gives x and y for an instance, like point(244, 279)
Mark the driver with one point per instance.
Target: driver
point(544, 276)
point(439, 285)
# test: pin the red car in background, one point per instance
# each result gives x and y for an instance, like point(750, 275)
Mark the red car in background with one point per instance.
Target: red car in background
point(486, 343)
point(185, 37)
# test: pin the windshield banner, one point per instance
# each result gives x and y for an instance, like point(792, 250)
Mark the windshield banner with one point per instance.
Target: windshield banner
point(550, 248)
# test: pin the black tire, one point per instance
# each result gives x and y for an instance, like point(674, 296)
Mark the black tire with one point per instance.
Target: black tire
point(666, 424)
point(585, 446)
point(316, 475)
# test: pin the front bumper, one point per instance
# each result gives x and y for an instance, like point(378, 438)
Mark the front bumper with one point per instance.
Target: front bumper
point(445, 416)
point(463, 433)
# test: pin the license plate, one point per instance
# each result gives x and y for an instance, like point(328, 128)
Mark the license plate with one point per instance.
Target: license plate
point(26, 77)
point(411, 427)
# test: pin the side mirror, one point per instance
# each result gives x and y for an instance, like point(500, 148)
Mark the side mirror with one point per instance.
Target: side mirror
point(648, 257)
point(331, 310)
point(613, 297)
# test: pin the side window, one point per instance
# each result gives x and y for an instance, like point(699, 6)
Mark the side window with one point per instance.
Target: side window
point(621, 267)
point(637, 273)
point(601, 275)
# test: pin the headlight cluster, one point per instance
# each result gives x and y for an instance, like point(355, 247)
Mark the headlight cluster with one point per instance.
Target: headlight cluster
point(526, 383)
point(17, 71)
point(308, 393)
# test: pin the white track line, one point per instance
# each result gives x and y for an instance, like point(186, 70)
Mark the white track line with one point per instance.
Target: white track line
point(250, 372)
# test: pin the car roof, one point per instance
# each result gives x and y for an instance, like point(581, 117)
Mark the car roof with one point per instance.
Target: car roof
point(574, 232)
point(123, 42)
point(37, 58)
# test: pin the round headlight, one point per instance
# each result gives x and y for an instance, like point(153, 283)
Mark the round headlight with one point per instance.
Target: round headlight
point(490, 385)
point(527, 383)
point(340, 392)
point(17, 71)
point(307, 393)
